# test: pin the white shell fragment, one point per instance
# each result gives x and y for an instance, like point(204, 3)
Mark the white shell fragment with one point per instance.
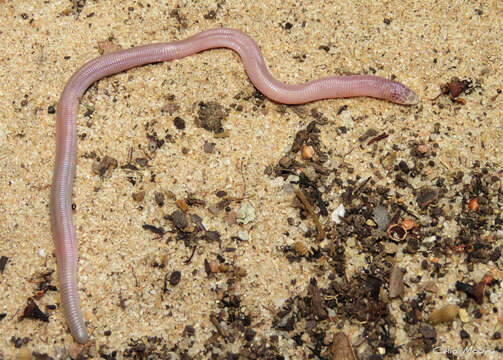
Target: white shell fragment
point(338, 213)
point(246, 213)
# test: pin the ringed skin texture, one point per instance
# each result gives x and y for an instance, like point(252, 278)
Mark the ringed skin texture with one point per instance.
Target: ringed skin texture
point(113, 63)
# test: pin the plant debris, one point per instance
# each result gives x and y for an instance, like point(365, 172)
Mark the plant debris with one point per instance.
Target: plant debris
point(3, 263)
point(104, 166)
point(341, 348)
point(321, 233)
point(454, 88)
point(32, 311)
point(211, 116)
point(108, 46)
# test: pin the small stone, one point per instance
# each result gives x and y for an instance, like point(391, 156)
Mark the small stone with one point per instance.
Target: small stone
point(390, 247)
point(174, 278)
point(381, 217)
point(159, 198)
point(431, 286)
point(338, 213)
point(214, 268)
point(473, 204)
point(292, 179)
point(422, 149)
point(463, 334)
point(230, 218)
point(430, 239)
point(249, 334)
point(245, 214)
point(285, 162)
point(426, 196)
point(463, 315)
point(311, 174)
point(179, 123)
point(213, 209)
point(409, 224)
point(171, 108)
point(370, 222)
point(209, 147)
point(101, 167)
point(139, 196)
point(307, 152)
point(243, 235)
point(428, 332)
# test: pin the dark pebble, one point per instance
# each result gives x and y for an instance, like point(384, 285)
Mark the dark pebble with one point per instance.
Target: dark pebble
point(209, 147)
point(18, 342)
point(179, 123)
point(250, 334)
point(159, 198)
point(189, 331)
point(175, 277)
point(428, 332)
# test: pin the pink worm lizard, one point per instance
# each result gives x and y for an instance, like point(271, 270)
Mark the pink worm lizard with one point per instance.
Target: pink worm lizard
point(94, 70)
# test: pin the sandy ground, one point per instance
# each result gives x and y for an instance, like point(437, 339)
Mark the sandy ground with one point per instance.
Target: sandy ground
point(122, 266)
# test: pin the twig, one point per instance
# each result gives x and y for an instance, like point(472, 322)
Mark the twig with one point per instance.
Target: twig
point(317, 223)
point(378, 138)
point(191, 255)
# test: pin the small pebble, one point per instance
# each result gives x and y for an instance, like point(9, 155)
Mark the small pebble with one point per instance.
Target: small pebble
point(175, 277)
point(307, 152)
point(463, 334)
point(473, 204)
point(209, 147)
point(159, 198)
point(409, 224)
point(430, 239)
point(338, 213)
point(213, 209)
point(139, 196)
point(381, 217)
point(463, 315)
point(179, 123)
point(494, 298)
point(243, 235)
point(245, 214)
point(445, 314)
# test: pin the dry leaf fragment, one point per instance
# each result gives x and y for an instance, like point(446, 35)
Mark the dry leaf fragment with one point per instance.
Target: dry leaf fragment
point(341, 348)
point(396, 286)
point(107, 47)
point(445, 314)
